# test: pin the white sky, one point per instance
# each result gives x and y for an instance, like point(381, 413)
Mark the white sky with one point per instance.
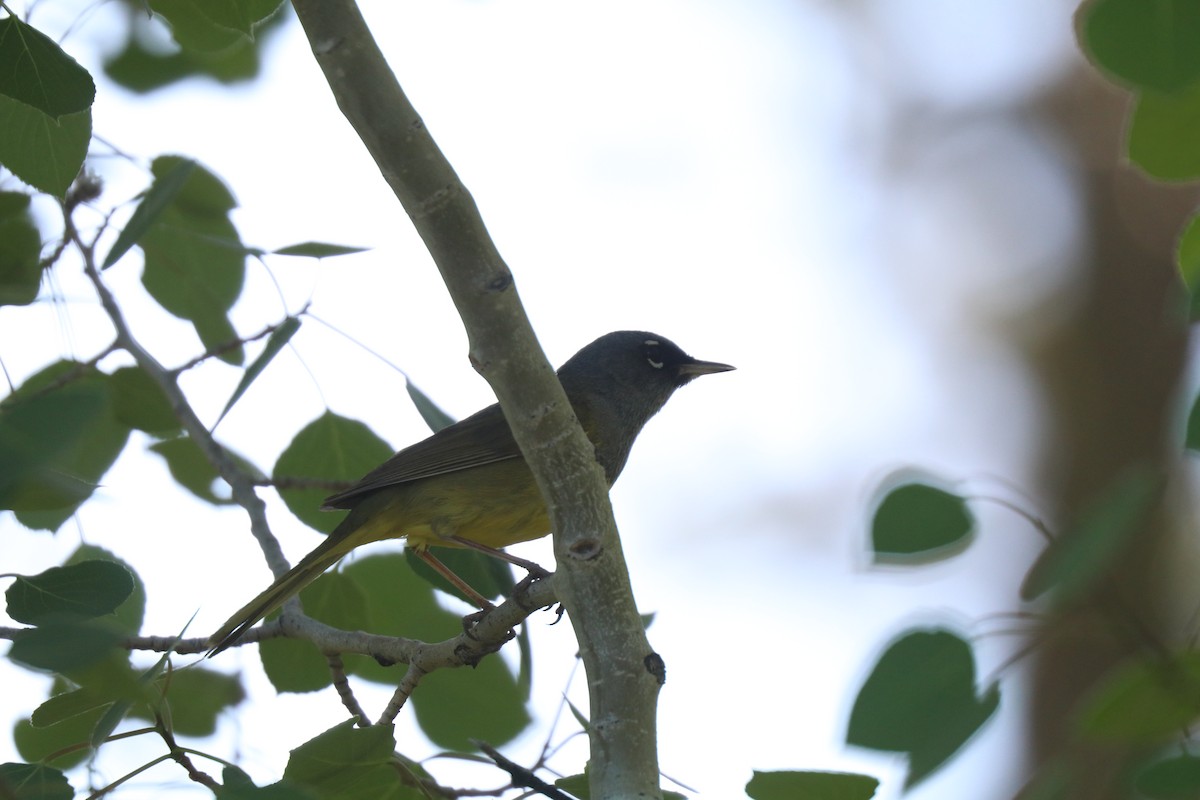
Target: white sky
point(724, 174)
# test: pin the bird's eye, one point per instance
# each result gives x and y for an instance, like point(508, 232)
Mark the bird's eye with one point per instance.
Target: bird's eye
point(653, 357)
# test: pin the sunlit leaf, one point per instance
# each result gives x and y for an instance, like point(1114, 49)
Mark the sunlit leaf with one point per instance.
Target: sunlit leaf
point(1161, 134)
point(1145, 700)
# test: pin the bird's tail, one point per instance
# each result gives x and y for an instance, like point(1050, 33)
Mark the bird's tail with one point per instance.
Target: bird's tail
point(309, 569)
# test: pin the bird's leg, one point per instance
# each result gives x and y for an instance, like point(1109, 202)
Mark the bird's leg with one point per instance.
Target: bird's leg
point(429, 558)
point(535, 570)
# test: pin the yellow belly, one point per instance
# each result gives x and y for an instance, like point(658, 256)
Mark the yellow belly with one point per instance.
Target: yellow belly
point(496, 505)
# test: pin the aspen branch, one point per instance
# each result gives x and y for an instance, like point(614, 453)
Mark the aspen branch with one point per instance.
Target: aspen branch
point(592, 580)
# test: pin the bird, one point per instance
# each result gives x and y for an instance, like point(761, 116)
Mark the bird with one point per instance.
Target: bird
point(468, 485)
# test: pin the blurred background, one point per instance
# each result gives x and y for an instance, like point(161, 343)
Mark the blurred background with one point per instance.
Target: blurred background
point(906, 223)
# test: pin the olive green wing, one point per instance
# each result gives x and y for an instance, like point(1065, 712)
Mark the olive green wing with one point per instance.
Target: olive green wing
point(482, 438)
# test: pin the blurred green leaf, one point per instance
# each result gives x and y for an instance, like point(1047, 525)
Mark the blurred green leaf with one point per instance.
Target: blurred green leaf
point(455, 706)
point(275, 342)
point(44, 153)
point(64, 645)
point(916, 522)
point(58, 437)
point(1146, 700)
point(212, 25)
point(293, 665)
point(34, 782)
point(1150, 45)
point(139, 402)
point(806, 785)
point(35, 71)
point(349, 763)
point(1176, 778)
point(433, 415)
point(238, 786)
point(1187, 256)
point(1073, 562)
point(162, 192)
point(85, 590)
point(1162, 134)
point(20, 251)
point(920, 699)
point(330, 448)
point(319, 250)
point(194, 259)
point(194, 697)
point(192, 470)
point(38, 743)
point(1191, 439)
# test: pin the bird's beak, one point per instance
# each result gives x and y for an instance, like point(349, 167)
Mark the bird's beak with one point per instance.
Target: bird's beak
point(695, 368)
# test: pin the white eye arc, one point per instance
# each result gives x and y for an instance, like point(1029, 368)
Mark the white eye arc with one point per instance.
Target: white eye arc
point(651, 345)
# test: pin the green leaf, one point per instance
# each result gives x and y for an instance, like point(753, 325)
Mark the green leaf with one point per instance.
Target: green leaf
point(238, 786)
point(1073, 562)
point(1161, 134)
point(64, 645)
point(275, 342)
point(920, 699)
point(433, 415)
point(68, 704)
point(20, 251)
point(150, 60)
point(195, 263)
point(489, 576)
point(1149, 45)
point(213, 25)
point(139, 402)
point(1146, 700)
point(129, 614)
point(293, 665)
point(1192, 436)
point(398, 603)
point(85, 590)
point(805, 785)
point(349, 763)
point(34, 782)
point(38, 743)
point(44, 153)
point(162, 193)
point(1175, 778)
point(35, 71)
point(318, 250)
point(194, 698)
point(916, 523)
point(455, 706)
point(192, 470)
point(1187, 255)
point(331, 448)
point(58, 437)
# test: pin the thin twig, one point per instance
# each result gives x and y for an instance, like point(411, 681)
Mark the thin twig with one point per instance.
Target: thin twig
point(341, 683)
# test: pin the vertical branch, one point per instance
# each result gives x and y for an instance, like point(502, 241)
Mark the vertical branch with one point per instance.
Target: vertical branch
point(592, 580)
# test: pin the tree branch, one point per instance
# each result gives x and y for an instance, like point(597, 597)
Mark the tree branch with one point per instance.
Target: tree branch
point(592, 579)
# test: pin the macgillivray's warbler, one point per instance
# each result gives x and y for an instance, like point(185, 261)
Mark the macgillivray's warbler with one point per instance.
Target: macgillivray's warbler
point(468, 485)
